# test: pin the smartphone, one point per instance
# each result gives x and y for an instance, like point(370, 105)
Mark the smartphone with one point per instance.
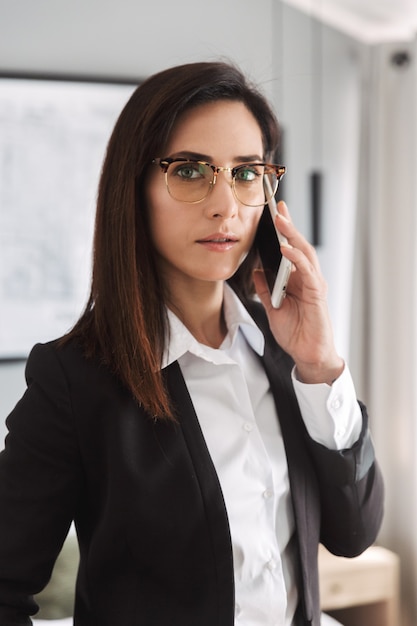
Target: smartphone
point(277, 268)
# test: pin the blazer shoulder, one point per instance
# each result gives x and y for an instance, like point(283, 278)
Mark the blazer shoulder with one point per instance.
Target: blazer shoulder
point(66, 361)
point(45, 358)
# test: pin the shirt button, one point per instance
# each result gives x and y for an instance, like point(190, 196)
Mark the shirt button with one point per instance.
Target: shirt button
point(237, 610)
point(248, 427)
point(268, 493)
point(337, 403)
point(271, 565)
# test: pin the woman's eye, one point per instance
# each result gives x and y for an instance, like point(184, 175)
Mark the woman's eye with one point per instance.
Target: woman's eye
point(189, 171)
point(247, 174)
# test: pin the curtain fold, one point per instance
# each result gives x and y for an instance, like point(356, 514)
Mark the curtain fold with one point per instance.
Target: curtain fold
point(383, 353)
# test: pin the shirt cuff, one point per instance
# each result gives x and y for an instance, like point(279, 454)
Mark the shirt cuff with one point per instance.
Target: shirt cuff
point(331, 413)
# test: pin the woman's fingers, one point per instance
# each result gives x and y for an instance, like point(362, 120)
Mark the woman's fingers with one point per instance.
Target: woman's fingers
point(299, 251)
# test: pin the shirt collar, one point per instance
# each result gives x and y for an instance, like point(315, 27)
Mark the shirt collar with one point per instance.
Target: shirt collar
point(237, 318)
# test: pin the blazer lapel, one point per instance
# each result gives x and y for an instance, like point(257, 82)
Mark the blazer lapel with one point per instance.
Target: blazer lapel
point(210, 489)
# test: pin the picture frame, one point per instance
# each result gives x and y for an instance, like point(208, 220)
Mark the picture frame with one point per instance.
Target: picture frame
point(53, 136)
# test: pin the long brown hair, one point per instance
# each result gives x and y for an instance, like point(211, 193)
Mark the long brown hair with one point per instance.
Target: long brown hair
point(124, 322)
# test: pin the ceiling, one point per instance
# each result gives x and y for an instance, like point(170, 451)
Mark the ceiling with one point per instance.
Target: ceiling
point(371, 21)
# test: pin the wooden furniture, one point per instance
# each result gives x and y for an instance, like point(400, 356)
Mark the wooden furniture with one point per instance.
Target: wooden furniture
point(363, 591)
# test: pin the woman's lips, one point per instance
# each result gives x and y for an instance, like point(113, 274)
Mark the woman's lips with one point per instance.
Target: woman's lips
point(219, 242)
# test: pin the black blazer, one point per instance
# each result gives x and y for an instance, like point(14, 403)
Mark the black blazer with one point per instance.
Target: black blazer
point(152, 525)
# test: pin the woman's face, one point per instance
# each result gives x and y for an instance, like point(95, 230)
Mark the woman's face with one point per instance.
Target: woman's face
point(209, 240)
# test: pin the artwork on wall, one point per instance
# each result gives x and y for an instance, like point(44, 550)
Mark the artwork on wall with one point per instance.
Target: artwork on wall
point(53, 136)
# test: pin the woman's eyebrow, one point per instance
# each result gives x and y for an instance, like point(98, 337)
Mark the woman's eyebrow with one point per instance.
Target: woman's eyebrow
point(194, 156)
point(198, 156)
point(249, 158)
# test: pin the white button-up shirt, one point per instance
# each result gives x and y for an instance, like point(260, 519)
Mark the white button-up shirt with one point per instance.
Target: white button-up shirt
point(233, 401)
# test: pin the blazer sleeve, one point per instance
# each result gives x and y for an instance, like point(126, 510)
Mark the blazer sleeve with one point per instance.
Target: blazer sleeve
point(351, 492)
point(38, 486)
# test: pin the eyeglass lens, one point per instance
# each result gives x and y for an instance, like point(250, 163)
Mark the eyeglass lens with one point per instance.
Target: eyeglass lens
point(191, 181)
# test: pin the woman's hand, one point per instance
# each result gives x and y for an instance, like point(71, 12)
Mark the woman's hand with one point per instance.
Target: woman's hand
point(302, 324)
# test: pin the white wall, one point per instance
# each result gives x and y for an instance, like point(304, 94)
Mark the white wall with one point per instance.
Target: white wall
point(319, 101)
point(133, 37)
point(275, 44)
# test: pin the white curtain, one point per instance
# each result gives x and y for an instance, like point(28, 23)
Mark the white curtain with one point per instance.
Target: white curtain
point(384, 299)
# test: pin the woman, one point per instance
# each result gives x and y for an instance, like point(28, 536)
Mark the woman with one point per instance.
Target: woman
point(203, 441)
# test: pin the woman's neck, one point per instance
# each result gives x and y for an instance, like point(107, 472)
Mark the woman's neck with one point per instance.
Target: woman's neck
point(201, 311)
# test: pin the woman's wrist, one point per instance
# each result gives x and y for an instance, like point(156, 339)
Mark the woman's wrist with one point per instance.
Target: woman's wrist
point(328, 372)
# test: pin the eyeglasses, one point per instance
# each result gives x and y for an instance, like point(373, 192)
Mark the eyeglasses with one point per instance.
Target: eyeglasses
point(253, 184)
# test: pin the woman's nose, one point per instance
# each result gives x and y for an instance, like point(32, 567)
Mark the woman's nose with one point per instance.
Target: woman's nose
point(221, 201)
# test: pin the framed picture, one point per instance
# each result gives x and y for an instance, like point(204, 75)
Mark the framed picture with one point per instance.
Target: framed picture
point(53, 137)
